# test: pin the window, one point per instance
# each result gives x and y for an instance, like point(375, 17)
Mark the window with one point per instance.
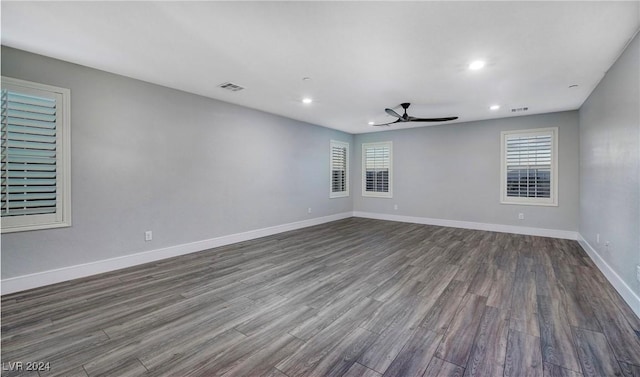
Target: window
point(529, 173)
point(339, 152)
point(377, 176)
point(35, 156)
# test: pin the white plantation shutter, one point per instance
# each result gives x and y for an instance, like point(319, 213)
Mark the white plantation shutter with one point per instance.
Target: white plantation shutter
point(34, 159)
point(529, 167)
point(377, 174)
point(339, 153)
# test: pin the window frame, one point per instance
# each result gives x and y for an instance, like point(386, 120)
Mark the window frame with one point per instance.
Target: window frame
point(552, 201)
point(338, 144)
point(377, 194)
point(62, 216)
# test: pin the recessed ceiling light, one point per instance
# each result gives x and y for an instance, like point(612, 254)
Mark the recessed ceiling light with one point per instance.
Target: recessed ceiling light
point(371, 123)
point(478, 64)
point(307, 100)
point(306, 78)
point(494, 107)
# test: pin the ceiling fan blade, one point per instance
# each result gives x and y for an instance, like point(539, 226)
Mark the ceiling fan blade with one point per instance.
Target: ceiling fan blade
point(393, 113)
point(386, 124)
point(412, 119)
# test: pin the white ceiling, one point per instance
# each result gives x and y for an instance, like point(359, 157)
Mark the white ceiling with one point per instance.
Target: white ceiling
point(361, 56)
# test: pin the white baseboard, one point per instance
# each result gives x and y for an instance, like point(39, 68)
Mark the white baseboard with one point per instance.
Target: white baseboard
point(40, 279)
point(564, 234)
point(623, 289)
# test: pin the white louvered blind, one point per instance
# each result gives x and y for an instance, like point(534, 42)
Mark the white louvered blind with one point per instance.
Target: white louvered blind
point(29, 154)
point(377, 169)
point(529, 166)
point(33, 187)
point(339, 169)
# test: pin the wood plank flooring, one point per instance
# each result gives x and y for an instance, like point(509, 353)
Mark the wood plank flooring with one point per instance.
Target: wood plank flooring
point(355, 297)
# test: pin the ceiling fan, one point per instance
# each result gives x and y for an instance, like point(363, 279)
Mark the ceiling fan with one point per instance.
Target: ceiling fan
point(406, 118)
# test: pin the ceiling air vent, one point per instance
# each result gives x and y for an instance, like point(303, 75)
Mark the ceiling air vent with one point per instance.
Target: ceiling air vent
point(230, 86)
point(519, 109)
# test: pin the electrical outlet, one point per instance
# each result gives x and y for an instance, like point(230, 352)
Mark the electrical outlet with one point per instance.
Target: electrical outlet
point(521, 216)
point(598, 238)
point(148, 235)
point(638, 273)
point(395, 207)
point(606, 246)
point(309, 210)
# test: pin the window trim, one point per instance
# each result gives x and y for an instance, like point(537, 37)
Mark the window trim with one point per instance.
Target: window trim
point(63, 163)
point(338, 194)
point(552, 201)
point(375, 194)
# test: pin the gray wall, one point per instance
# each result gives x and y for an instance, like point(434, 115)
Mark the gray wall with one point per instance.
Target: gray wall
point(146, 157)
point(610, 166)
point(452, 172)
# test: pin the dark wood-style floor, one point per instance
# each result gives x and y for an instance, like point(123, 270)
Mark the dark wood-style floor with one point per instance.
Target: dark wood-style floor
point(355, 297)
